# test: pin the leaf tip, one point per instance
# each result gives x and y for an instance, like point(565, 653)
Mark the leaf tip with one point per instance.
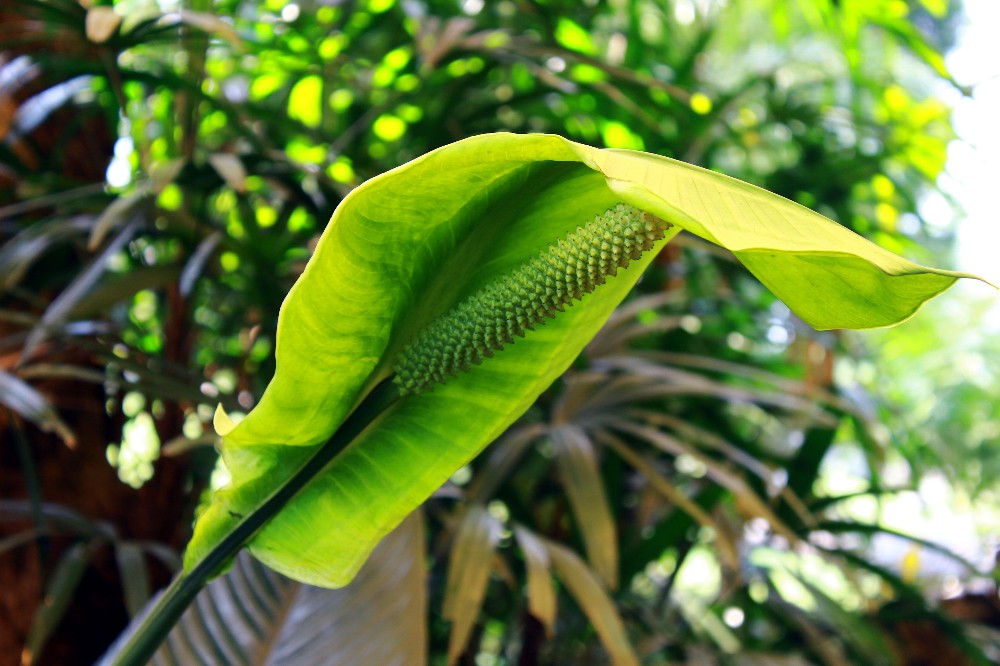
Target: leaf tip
point(222, 423)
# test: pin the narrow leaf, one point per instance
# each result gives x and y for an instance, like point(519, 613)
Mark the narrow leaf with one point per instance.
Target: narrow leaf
point(20, 252)
point(134, 576)
point(212, 25)
point(577, 462)
point(505, 453)
point(62, 371)
point(747, 499)
point(116, 214)
point(180, 445)
point(57, 516)
point(827, 649)
point(595, 602)
point(26, 401)
point(64, 304)
point(164, 173)
point(59, 592)
point(541, 593)
point(15, 541)
point(843, 526)
point(727, 549)
point(857, 631)
point(468, 574)
point(194, 265)
point(706, 622)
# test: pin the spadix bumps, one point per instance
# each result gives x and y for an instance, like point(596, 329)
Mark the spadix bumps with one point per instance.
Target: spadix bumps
point(513, 304)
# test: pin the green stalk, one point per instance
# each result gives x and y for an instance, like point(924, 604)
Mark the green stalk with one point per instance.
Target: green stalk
point(146, 639)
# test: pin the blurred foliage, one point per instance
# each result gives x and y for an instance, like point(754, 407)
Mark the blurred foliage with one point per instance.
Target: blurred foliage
point(165, 171)
point(942, 415)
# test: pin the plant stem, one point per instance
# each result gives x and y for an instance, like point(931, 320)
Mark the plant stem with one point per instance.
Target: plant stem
point(142, 643)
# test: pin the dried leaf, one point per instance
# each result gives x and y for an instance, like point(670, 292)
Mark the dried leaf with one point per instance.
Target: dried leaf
point(541, 593)
point(116, 214)
point(577, 462)
point(468, 574)
point(746, 499)
point(435, 41)
point(101, 23)
point(726, 548)
point(231, 169)
point(180, 445)
point(165, 173)
point(505, 453)
point(595, 602)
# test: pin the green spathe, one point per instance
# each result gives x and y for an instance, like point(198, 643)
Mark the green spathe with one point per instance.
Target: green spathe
point(408, 245)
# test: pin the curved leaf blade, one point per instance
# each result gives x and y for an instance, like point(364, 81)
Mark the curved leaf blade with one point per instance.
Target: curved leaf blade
point(59, 591)
point(22, 398)
point(420, 237)
point(577, 462)
point(541, 592)
point(468, 575)
point(595, 602)
point(406, 246)
point(827, 274)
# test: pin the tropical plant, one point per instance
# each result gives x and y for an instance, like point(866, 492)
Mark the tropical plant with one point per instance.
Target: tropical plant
point(160, 293)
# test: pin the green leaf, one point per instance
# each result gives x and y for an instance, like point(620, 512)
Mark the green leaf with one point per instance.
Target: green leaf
point(134, 575)
point(305, 103)
point(828, 275)
point(59, 593)
point(857, 631)
point(406, 246)
point(574, 36)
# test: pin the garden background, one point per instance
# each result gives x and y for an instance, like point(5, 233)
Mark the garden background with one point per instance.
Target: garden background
point(165, 171)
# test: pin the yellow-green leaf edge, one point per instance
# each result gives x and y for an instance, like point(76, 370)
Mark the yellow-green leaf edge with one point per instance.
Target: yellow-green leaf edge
point(406, 245)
